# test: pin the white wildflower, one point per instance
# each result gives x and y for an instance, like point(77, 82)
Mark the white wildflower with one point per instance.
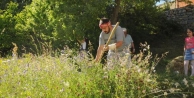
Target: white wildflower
point(148, 80)
point(106, 77)
point(176, 84)
point(185, 81)
point(187, 85)
point(184, 96)
point(165, 93)
point(146, 71)
point(153, 68)
point(41, 94)
point(61, 90)
point(193, 84)
point(137, 67)
point(66, 84)
point(177, 72)
point(143, 91)
point(106, 73)
point(172, 90)
point(148, 47)
point(127, 54)
point(166, 80)
point(139, 70)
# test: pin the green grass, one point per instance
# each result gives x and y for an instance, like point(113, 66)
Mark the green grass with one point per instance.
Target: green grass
point(71, 76)
point(46, 76)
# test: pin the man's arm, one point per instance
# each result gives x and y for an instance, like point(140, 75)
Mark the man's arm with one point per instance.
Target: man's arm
point(133, 47)
point(113, 46)
point(119, 44)
point(184, 49)
point(101, 48)
point(132, 44)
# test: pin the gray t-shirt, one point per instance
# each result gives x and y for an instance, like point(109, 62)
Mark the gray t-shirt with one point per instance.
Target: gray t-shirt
point(117, 36)
point(128, 41)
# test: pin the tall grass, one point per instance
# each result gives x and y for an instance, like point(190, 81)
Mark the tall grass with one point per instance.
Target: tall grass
point(74, 75)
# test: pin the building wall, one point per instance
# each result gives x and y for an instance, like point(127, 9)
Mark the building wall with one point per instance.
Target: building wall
point(177, 4)
point(183, 15)
point(181, 4)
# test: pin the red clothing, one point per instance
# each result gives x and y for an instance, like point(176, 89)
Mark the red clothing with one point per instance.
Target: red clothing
point(189, 42)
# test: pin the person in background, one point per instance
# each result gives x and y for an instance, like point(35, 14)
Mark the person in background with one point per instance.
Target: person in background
point(84, 46)
point(189, 52)
point(129, 41)
point(129, 46)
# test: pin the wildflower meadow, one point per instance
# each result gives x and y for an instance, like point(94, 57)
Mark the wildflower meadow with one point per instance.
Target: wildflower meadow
point(71, 75)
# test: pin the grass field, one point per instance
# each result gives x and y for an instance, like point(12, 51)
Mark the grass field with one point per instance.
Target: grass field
point(75, 76)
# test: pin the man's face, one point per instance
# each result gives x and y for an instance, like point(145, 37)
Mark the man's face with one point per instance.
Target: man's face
point(105, 28)
point(125, 32)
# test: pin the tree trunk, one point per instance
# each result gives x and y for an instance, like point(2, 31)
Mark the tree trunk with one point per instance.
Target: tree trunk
point(115, 12)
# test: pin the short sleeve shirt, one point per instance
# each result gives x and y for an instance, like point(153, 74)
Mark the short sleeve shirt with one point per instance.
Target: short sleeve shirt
point(128, 41)
point(117, 36)
point(189, 42)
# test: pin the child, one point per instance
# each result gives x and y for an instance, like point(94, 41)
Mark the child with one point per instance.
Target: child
point(189, 51)
point(84, 44)
point(83, 51)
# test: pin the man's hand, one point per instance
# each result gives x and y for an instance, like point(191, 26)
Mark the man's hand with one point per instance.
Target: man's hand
point(112, 46)
point(106, 48)
point(133, 51)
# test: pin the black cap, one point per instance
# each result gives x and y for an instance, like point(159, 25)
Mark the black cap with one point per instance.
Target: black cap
point(103, 20)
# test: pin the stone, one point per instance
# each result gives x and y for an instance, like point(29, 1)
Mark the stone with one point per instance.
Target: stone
point(176, 65)
point(184, 15)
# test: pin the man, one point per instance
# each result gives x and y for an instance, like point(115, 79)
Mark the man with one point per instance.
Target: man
point(116, 44)
point(129, 46)
point(129, 41)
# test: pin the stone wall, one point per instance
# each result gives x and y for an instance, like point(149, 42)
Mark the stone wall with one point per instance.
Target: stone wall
point(184, 15)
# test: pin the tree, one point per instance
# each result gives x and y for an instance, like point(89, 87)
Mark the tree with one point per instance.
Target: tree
point(7, 23)
point(61, 22)
point(116, 9)
point(145, 21)
point(21, 3)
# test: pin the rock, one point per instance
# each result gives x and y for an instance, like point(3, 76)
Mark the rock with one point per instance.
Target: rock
point(183, 15)
point(176, 65)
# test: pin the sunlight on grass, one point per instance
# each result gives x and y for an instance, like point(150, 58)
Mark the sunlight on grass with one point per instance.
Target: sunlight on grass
point(76, 76)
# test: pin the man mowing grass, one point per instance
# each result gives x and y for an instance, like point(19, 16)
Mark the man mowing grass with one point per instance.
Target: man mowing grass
point(116, 44)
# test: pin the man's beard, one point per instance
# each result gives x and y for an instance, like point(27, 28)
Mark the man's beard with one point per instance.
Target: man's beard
point(107, 31)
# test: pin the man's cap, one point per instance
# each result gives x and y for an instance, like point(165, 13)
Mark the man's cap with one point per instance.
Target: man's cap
point(103, 21)
point(124, 29)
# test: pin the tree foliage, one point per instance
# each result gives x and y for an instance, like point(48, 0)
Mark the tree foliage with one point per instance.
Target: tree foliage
point(38, 24)
point(145, 21)
point(61, 22)
point(7, 31)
